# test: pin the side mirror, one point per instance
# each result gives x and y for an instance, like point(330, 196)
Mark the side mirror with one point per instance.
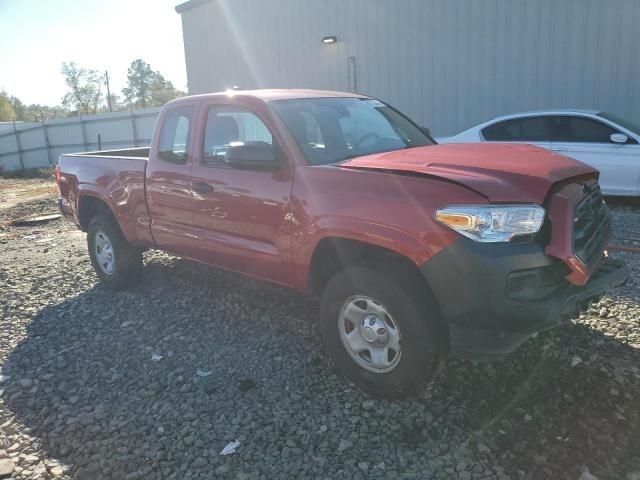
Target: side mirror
point(426, 130)
point(252, 156)
point(618, 138)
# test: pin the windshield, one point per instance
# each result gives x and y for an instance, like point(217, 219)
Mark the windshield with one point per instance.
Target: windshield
point(624, 123)
point(330, 130)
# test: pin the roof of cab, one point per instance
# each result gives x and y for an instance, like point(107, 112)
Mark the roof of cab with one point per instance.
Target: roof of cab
point(268, 95)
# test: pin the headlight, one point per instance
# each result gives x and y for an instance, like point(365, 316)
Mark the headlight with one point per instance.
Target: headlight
point(492, 223)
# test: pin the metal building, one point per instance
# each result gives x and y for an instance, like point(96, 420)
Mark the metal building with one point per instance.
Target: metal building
point(449, 64)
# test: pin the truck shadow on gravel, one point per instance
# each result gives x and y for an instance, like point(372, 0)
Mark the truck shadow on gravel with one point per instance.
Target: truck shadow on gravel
point(154, 382)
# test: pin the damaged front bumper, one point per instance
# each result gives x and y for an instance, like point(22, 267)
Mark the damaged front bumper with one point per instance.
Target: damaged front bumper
point(496, 296)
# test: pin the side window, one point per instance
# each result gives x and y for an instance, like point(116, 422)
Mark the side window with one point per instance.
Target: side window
point(228, 127)
point(565, 128)
point(532, 129)
point(174, 138)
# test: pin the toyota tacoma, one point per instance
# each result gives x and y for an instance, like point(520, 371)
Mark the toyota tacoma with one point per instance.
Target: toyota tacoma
point(415, 250)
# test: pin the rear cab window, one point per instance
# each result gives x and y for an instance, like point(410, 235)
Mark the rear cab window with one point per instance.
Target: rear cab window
point(174, 138)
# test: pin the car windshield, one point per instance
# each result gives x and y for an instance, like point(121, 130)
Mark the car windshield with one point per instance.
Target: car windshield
point(624, 123)
point(330, 130)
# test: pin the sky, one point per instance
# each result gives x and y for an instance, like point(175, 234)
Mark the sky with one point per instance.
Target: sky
point(36, 36)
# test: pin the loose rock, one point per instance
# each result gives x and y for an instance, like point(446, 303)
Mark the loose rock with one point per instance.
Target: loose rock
point(6, 467)
point(78, 383)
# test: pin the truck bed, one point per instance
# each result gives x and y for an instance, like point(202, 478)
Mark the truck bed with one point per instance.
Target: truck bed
point(113, 177)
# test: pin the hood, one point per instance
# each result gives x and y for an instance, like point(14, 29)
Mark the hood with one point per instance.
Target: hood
point(500, 172)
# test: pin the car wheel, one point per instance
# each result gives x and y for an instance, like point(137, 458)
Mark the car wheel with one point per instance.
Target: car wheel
point(116, 262)
point(383, 335)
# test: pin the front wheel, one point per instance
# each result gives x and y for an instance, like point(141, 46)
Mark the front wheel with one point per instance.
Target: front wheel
point(382, 334)
point(116, 262)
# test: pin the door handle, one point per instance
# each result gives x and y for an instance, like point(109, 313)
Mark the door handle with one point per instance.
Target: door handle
point(201, 187)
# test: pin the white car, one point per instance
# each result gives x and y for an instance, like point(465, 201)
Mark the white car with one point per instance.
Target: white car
point(599, 139)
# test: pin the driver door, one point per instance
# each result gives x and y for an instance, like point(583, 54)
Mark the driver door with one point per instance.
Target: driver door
point(240, 214)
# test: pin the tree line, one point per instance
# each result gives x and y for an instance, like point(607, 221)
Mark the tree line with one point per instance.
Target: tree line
point(87, 94)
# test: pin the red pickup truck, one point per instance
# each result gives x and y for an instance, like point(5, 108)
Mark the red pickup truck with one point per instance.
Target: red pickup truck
point(415, 249)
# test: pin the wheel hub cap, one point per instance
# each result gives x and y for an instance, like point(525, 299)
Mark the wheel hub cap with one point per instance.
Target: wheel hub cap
point(369, 334)
point(374, 330)
point(104, 252)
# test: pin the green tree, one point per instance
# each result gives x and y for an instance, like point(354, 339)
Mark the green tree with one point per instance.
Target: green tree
point(84, 94)
point(19, 109)
point(12, 108)
point(146, 87)
point(163, 91)
point(7, 114)
point(38, 113)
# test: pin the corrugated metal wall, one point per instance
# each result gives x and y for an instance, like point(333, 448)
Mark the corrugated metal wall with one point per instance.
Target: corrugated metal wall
point(34, 145)
point(447, 63)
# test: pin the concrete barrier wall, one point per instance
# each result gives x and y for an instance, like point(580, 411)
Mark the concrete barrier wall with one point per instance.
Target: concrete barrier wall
point(34, 145)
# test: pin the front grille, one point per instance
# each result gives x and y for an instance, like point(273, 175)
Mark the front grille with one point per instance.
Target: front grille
point(591, 228)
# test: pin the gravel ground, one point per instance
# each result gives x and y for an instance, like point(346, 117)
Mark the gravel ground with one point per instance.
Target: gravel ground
point(153, 382)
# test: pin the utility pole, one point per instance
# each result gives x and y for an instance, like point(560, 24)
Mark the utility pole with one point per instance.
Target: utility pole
point(106, 75)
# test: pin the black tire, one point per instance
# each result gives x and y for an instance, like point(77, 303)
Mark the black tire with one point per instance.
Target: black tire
point(414, 312)
point(127, 264)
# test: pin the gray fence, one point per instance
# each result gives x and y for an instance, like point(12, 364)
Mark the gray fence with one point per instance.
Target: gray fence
point(34, 145)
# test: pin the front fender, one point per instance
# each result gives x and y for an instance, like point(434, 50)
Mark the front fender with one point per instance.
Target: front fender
point(392, 238)
point(402, 242)
point(387, 210)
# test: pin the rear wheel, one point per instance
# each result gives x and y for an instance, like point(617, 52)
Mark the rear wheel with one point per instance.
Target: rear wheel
point(116, 262)
point(384, 335)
